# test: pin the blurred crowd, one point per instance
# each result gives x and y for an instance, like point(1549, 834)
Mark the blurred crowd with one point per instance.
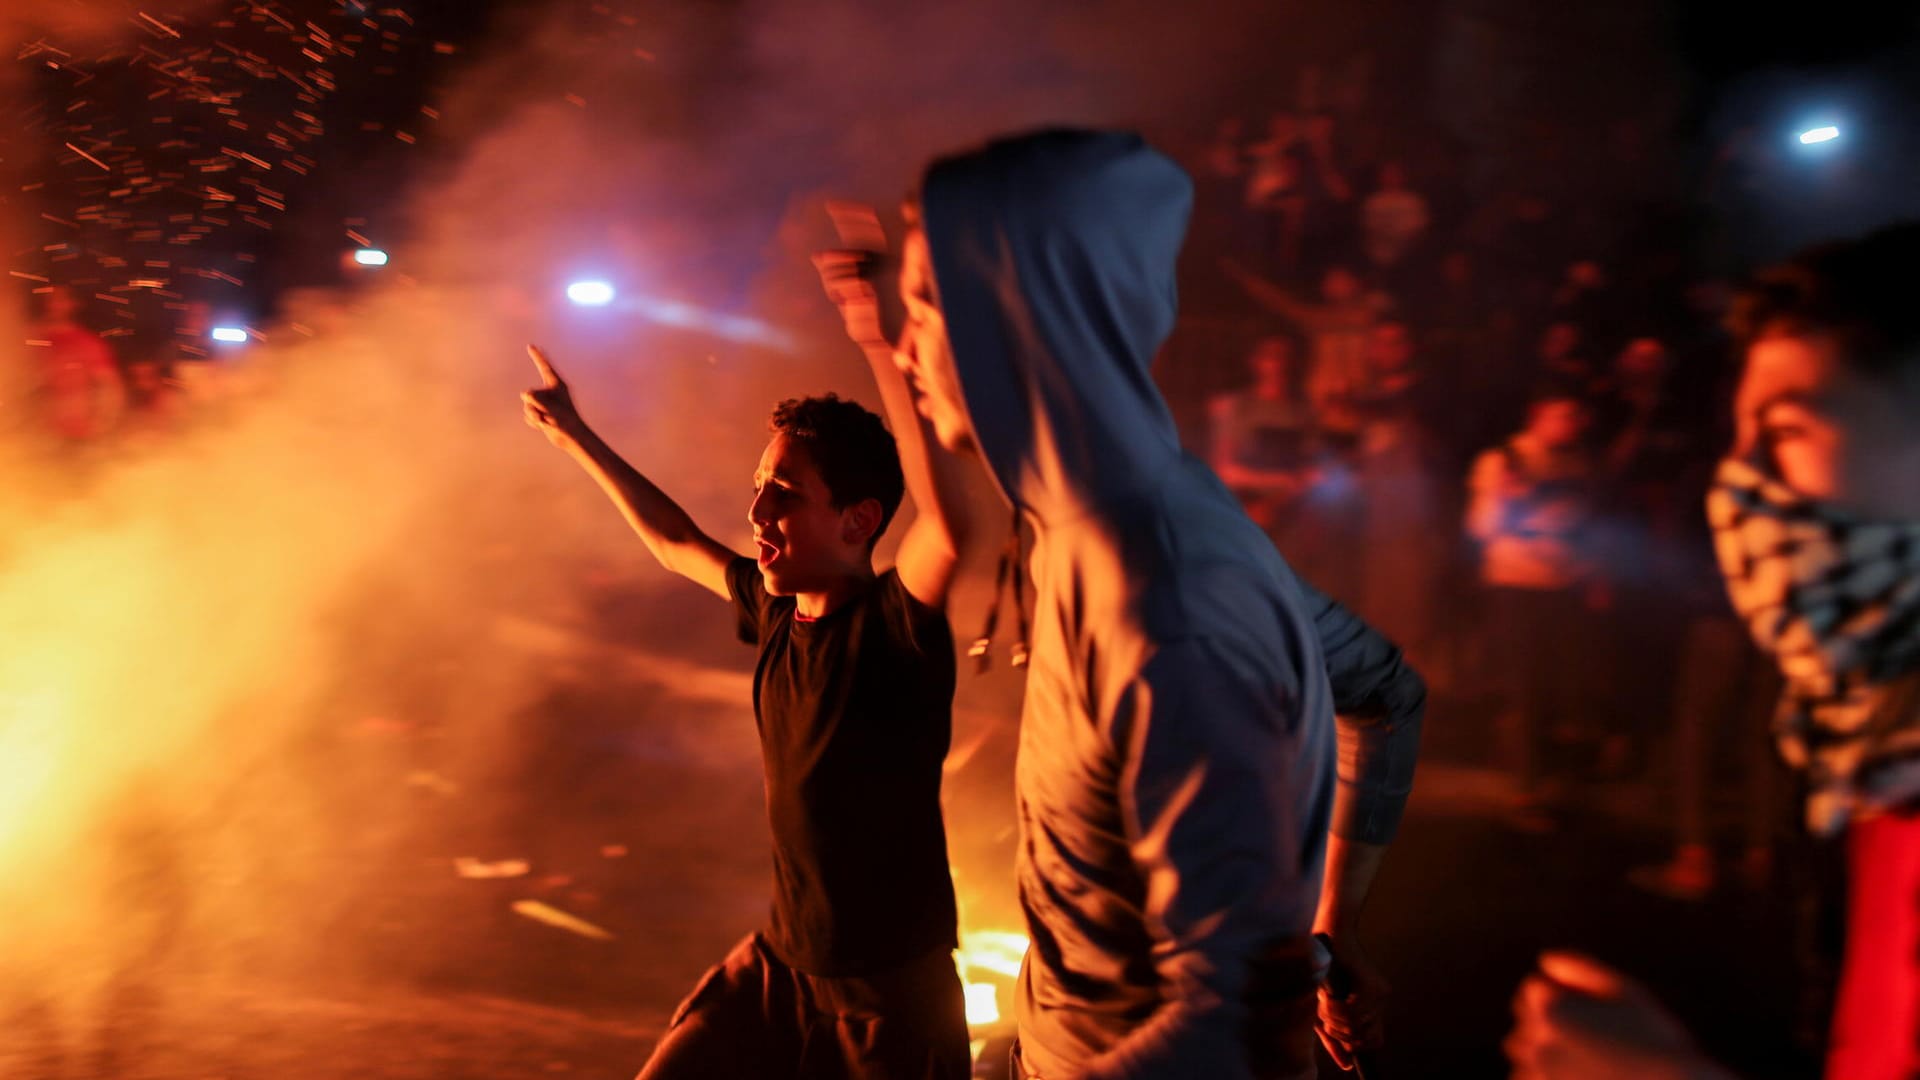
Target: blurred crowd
point(1486, 418)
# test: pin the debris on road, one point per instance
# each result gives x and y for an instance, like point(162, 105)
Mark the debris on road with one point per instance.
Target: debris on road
point(554, 917)
point(480, 870)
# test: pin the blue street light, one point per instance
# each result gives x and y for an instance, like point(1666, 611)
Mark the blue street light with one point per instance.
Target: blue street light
point(1824, 133)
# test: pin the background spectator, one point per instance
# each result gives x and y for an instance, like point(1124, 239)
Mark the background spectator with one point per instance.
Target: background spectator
point(1533, 509)
point(1392, 219)
point(80, 392)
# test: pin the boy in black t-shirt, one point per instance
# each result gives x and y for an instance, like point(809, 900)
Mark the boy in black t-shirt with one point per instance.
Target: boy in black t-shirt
point(853, 695)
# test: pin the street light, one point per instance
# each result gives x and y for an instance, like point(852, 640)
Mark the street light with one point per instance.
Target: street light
point(590, 293)
point(1824, 133)
point(370, 257)
point(231, 335)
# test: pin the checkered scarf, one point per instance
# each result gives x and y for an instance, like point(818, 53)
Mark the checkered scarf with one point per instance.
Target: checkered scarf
point(1836, 600)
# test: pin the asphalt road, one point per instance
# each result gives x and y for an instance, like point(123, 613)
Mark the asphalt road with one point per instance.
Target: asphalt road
point(632, 796)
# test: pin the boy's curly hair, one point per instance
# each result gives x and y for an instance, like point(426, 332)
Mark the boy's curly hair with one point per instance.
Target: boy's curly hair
point(851, 447)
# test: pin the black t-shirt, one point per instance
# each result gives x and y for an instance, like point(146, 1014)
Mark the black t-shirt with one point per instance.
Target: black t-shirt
point(855, 711)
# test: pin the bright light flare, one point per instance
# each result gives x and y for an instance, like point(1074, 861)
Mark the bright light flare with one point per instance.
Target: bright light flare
point(231, 335)
point(1826, 133)
point(370, 257)
point(994, 955)
point(35, 743)
point(997, 951)
point(590, 293)
point(983, 1004)
point(732, 327)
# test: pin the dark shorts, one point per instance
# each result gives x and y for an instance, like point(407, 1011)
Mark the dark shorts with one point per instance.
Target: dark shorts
point(753, 1016)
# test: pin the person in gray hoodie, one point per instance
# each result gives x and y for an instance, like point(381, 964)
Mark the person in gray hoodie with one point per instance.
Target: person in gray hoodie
point(1177, 779)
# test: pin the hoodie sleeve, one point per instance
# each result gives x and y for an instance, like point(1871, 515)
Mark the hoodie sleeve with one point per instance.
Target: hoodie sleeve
point(1219, 822)
point(1379, 702)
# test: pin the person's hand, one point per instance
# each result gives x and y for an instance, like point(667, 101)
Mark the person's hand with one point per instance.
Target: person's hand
point(1354, 1019)
point(549, 407)
point(1577, 1019)
point(848, 277)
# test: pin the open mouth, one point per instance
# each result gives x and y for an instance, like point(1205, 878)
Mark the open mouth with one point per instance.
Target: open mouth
point(768, 552)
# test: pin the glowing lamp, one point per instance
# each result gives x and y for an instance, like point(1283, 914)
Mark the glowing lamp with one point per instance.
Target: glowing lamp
point(231, 335)
point(590, 293)
point(1827, 133)
point(370, 257)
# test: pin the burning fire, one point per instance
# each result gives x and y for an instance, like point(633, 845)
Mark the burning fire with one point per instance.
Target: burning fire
point(986, 960)
point(32, 748)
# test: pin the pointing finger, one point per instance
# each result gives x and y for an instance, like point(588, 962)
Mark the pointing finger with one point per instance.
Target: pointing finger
point(545, 367)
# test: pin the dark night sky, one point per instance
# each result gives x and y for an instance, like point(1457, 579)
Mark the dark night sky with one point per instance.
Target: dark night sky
point(1743, 65)
point(1723, 39)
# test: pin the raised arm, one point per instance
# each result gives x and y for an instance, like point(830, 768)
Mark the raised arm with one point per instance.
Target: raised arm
point(1320, 142)
point(930, 551)
point(667, 529)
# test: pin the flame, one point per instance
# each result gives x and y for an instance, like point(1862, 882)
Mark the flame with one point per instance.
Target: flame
point(33, 745)
point(983, 1004)
point(998, 951)
point(993, 953)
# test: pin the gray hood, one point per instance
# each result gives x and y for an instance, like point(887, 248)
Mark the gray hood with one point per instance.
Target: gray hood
point(1055, 315)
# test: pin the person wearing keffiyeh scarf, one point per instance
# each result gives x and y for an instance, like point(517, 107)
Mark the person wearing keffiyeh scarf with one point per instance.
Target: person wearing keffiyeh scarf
point(1835, 598)
point(1816, 519)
